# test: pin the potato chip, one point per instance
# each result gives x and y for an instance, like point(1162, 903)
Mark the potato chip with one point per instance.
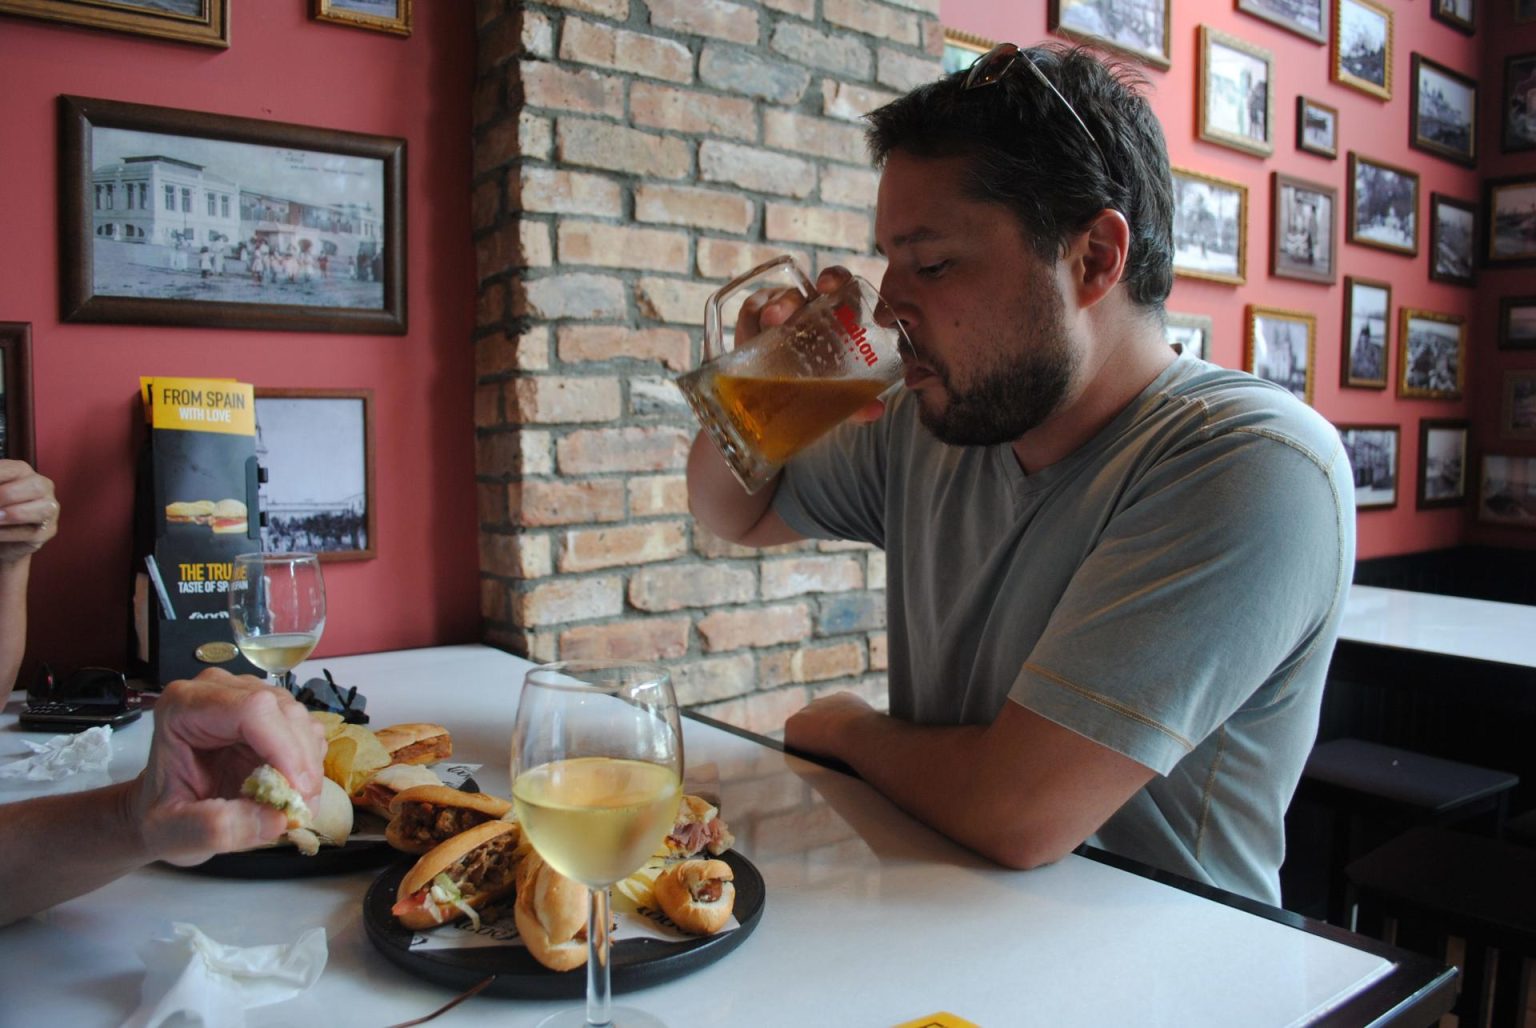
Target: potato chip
point(332, 722)
point(354, 754)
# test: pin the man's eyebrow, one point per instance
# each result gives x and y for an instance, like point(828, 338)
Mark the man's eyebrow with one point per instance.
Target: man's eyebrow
point(917, 235)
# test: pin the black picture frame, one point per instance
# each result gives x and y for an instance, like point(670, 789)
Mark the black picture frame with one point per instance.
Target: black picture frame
point(1304, 229)
point(1452, 240)
point(1367, 346)
point(1509, 225)
point(315, 447)
point(169, 259)
point(1504, 495)
point(1517, 323)
point(1311, 24)
point(1383, 205)
point(208, 27)
point(1443, 464)
point(1518, 112)
point(1210, 227)
point(1442, 111)
point(1460, 15)
point(1150, 50)
point(1517, 414)
point(1317, 128)
point(17, 441)
point(1375, 458)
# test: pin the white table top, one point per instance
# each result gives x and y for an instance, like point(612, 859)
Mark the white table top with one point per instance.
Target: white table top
point(870, 918)
point(1451, 625)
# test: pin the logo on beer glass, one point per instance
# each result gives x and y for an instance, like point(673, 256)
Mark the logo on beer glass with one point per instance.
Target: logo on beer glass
point(858, 341)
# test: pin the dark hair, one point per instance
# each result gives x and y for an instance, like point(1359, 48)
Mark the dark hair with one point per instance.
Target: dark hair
point(1026, 153)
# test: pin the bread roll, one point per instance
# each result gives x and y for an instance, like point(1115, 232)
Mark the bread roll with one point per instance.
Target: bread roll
point(551, 915)
point(697, 895)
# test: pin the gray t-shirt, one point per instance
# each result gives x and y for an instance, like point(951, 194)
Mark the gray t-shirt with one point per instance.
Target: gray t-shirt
point(1171, 590)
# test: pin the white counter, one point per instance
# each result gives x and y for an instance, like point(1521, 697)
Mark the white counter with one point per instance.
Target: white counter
point(1450, 625)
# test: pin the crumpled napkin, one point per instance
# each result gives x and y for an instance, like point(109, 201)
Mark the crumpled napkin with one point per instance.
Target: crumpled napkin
point(191, 979)
point(90, 750)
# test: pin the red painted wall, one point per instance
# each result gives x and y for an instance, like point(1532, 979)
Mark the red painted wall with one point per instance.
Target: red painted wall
point(421, 590)
point(1376, 129)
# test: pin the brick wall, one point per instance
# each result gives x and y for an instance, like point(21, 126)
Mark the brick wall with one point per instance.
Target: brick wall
point(630, 156)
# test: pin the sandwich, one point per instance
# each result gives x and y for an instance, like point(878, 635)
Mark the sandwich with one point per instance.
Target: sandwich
point(229, 517)
point(416, 743)
point(697, 895)
point(380, 789)
point(460, 876)
point(698, 829)
point(425, 816)
point(188, 512)
point(329, 823)
point(551, 915)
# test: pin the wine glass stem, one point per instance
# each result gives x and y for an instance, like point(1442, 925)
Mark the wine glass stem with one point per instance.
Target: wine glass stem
point(599, 996)
point(285, 681)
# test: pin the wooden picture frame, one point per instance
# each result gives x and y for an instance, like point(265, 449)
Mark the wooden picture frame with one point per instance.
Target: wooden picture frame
point(208, 27)
point(1442, 478)
point(315, 448)
point(1510, 229)
point(171, 217)
point(1517, 323)
point(1236, 93)
point(1517, 414)
point(1079, 21)
point(1374, 458)
point(360, 14)
point(1273, 351)
point(1306, 18)
point(1317, 128)
point(1518, 109)
point(1361, 53)
point(1460, 15)
point(1442, 112)
point(961, 50)
point(1367, 350)
point(1304, 229)
point(1383, 205)
point(16, 435)
point(1210, 227)
point(1189, 333)
point(1452, 240)
point(1432, 354)
point(1506, 492)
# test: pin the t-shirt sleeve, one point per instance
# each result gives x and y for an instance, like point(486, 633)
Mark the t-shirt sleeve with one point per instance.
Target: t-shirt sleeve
point(1213, 579)
point(835, 489)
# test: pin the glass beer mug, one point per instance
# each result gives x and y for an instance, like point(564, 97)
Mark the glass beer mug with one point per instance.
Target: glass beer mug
point(766, 398)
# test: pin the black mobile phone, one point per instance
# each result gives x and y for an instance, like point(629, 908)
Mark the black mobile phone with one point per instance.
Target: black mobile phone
point(75, 717)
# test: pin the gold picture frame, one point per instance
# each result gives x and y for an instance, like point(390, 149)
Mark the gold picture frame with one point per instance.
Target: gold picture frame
point(1236, 93)
point(136, 17)
point(1274, 355)
point(1361, 56)
point(1432, 354)
point(353, 13)
point(1210, 244)
point(961, 50)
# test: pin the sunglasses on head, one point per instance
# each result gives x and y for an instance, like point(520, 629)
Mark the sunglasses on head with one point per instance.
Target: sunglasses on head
point(995, 65)
point(89, 686)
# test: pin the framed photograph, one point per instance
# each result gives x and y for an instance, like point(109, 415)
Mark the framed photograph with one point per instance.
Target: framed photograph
point(1508, 492)
point(1136, 28)
point(1442, 116)
point(1452, 239)
point(16, 392)
point(1367, 326)
point(392, 16)
point(1362, 46)
point(1442, 463)
point(316, 447)
point(1189, 333)
point(1372, 451)
point(204, 22)
point(1237, 104)
point(1460, 15)
point(173, 217)
point(1511, 228)
point(1519, 103)
point(1383, 205)
point(1517, 323)
point(961, 50)
point(1280, 348)
point(1317, 128)
point(1434, 354)
point(1304, 229)
point(1210, 227)
point(1517, 419)
point(1307, 18)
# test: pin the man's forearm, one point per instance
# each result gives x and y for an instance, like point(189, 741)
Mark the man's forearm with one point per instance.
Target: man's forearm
point(717, 500)
point(59, 847)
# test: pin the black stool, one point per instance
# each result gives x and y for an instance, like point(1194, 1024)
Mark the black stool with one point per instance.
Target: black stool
point(1376, 791)
point(1483, 890)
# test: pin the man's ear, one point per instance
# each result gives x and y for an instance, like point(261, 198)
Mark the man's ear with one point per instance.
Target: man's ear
point(1097, 256)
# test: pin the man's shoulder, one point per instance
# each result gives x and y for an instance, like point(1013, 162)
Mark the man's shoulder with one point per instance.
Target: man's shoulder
point(1235, 402)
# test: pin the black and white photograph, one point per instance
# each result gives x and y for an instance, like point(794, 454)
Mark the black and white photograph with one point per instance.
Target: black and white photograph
point(1138, 28)
point(1236, 96)
point(1507, 495)
point(16, 392)
point(1210, 227)
point(1442, 463)
point(1517, 323)
point(1367, 326)
point(316, 446)
point(1304, 229)
point(179, 217)
point(1383, 205)
point(1317, 127)
point(1458, 14)
point(392, 16)
point(1442, 116)
point(204, 22)
point(1280, 348)
point(1434, 352)
point(1307, 18)
point(1189, 333)
point(961, 50)
point(1519, 103)
point(1517, 418)
point(1362, 47)
point(1452, 239)
point(1511, 206)
point(1372, 451)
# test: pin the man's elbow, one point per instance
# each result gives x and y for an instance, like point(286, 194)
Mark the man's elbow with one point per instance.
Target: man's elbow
point(1027, 848)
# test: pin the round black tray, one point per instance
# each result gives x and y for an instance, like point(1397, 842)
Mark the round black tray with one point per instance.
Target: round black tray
point(634, 963)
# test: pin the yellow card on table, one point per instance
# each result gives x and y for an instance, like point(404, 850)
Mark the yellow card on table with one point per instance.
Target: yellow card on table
point(942, 1019)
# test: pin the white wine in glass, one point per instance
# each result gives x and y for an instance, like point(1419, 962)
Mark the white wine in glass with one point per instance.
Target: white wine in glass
point(277, 610)
point(597, 771)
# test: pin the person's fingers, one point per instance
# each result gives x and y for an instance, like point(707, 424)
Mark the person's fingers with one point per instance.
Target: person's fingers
point(871, 411)
point(190, 833)
point(833, 278)
point(220, 710)
point(29, 512)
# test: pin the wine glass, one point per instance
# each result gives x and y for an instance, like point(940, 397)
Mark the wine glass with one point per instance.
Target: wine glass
point(597, 767)
point(277, 610)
